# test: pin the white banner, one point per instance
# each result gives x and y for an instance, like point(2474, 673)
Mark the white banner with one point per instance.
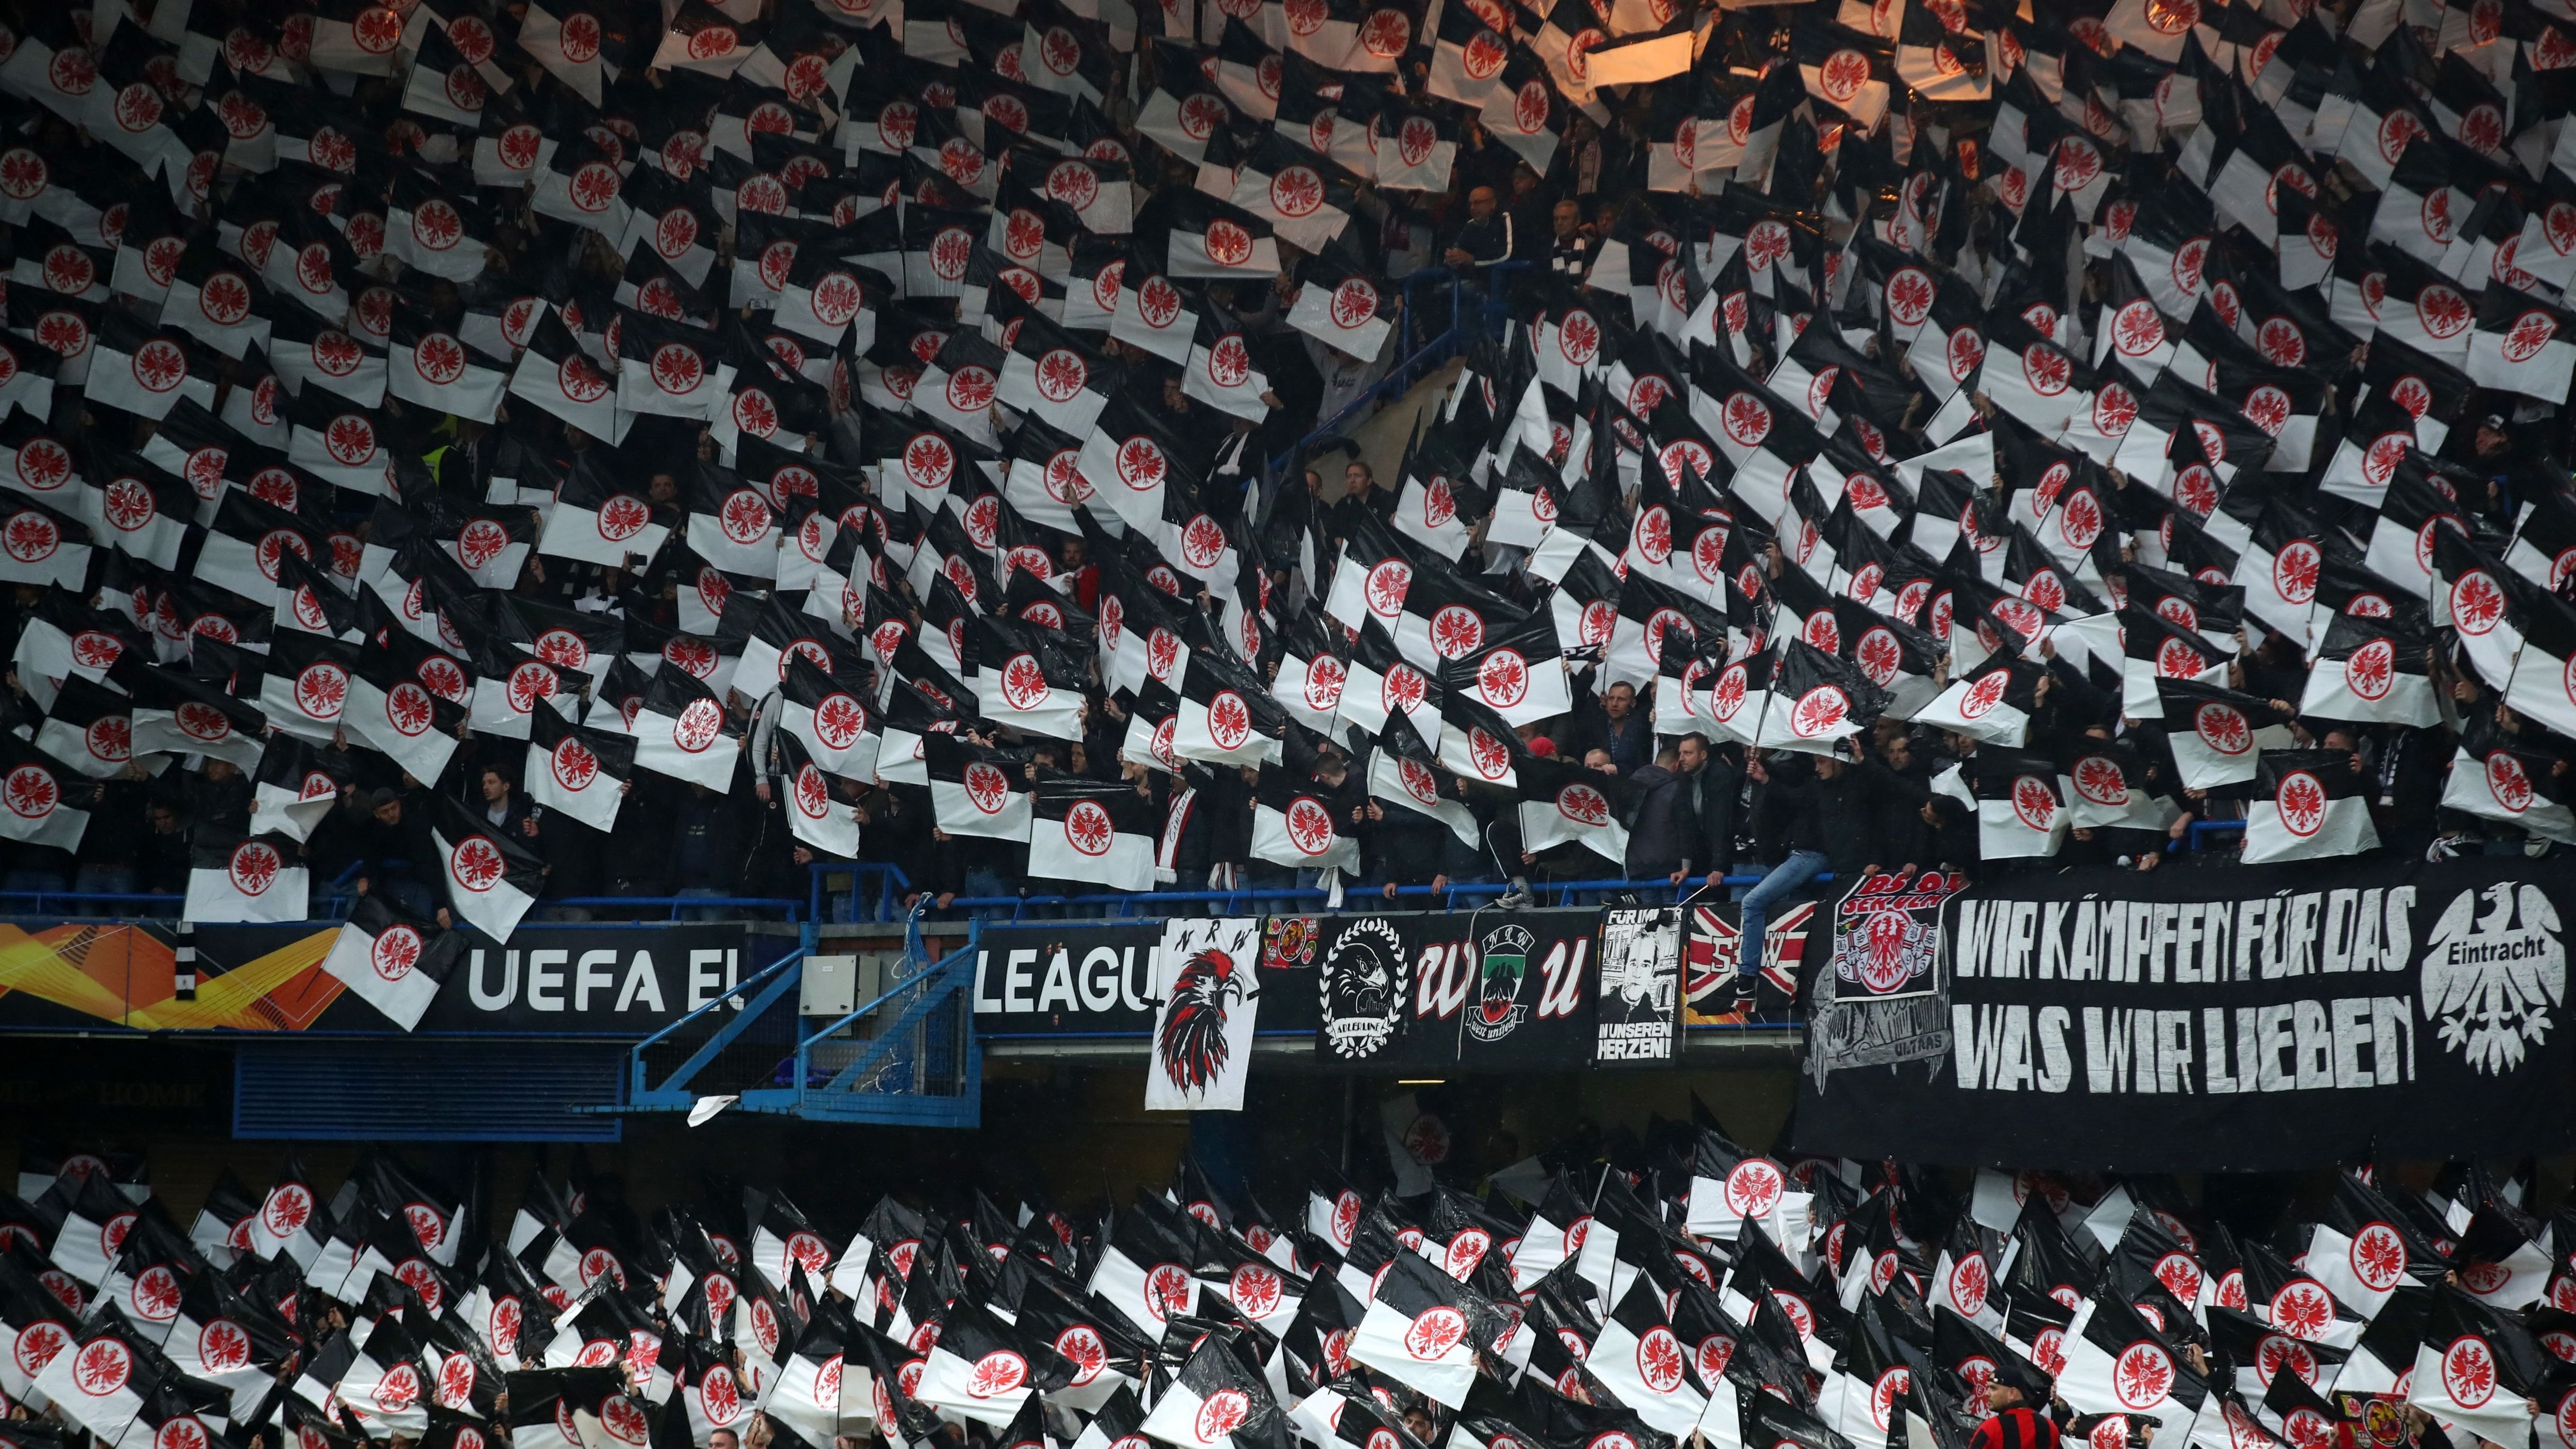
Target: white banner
point(1203, 1028)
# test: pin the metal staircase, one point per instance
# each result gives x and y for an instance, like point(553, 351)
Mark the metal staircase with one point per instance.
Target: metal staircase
point(906, 1058)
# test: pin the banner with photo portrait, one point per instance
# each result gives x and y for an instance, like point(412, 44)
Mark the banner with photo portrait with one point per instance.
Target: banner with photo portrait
point(1641, 976)
point(2255, 1018)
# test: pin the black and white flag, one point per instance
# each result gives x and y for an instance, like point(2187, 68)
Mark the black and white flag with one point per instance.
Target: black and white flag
point(680, 731)
point(1082, 831)
point(581, 771)
point(1215, 1402)
point(1420, 1330)
point(490, 880)
point(2308, 805)
point(974, 791)
point(245, 878)
point(396, 962)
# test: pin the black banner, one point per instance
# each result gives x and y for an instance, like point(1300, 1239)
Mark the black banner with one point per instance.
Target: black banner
point(617, 979)
point(1103, 978)
point(1080, 978)
point(1499, 990)
point(554, 980)
point(2246, 1019)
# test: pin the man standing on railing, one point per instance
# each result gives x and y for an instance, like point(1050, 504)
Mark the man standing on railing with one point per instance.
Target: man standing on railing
point(1786, 812)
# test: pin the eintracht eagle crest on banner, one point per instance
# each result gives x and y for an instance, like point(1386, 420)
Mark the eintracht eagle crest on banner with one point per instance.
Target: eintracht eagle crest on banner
point(2492, 971)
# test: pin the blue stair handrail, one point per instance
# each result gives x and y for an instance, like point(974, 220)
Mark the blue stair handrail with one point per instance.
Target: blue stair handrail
point(1465, 327)
point(941, 978)
point(749, 1000)
point(786, 1078)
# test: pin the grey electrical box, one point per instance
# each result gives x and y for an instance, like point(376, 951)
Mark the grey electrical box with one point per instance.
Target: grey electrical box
point(830, 986)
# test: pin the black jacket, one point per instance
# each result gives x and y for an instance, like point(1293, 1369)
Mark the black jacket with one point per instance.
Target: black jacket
point(1407, 847)
point(1842, 817)
point(709, 844)
point(161, 863)
point(407, 842)
point(574, 854)
point(1784, 808)
point(1341, 520)
point(1663, 835)
point(1488, 241)
point(116, 826)
point(1901, 832)
point(1716, 792)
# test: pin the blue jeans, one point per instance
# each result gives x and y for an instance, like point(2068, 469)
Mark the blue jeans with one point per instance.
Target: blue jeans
point(1785, 880)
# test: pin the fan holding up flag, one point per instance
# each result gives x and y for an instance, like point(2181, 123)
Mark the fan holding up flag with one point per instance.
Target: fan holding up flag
point(1564, 803)
point(1293, 825)
point(33, 785)
point(815, 814)
point(235, 877)
point(395, 961)
point(491, 880)
point(1215, 1402)
point(2308, 804)
point(1080, 830)
point(581, 771)
point(1818, 702)
point(1426, 1330)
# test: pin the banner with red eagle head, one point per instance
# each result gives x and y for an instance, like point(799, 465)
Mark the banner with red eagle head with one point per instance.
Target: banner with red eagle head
point(1203, 1029)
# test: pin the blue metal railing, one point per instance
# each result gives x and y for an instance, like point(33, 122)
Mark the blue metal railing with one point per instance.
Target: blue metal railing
point(118, 905)
point(1490, 312)
point(84, 904)
point(746, 1002)
point(917, 1064)
point(2201, 830)
point(640, 908)
point(879, 893)
point(889, 879)
point(1123, 905)
point(333, 896)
